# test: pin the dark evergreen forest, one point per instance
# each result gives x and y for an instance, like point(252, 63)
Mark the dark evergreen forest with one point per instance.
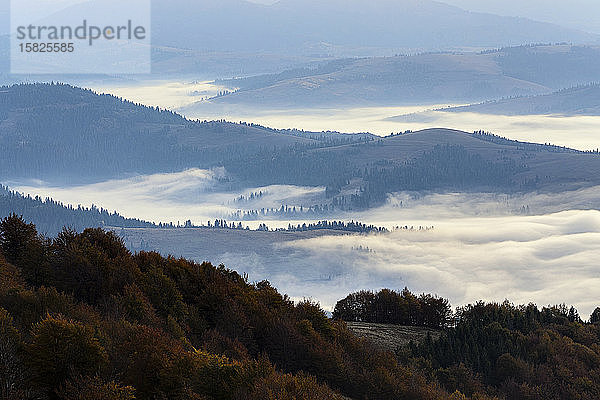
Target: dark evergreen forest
point(51, 216)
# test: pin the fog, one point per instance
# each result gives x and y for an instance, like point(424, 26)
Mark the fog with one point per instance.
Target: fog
point(158, 93)
point(482, 246)
point(544, 259)
point(194, 194)
point(579, 132)
point(185, 97)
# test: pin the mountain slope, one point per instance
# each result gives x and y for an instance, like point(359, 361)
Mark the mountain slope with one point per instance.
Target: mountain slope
point(69, 135)
point(65, 133)
point(425, 78)
point(450, 160)
point(83, 317)
point(583, 100)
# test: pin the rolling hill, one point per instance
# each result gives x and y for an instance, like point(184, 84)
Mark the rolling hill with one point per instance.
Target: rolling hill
point(425, 78)
point(581, 100)
point(63, 133)
point(67, 135)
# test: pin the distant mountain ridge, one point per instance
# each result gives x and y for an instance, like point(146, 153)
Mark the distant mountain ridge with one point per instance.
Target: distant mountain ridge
point(225, 38)
point(577, 14)
point(60, 132)
point(429, 78)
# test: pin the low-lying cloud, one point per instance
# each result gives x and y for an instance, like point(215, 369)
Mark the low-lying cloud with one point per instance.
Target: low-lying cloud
point(193, 194)
point(546, 259)
point(536, 247)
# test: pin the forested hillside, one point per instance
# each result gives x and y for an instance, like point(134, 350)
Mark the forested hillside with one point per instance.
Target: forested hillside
point(517, 352)
point(66, 135)
point(51, 216)
point(512, 352)
point(59, 132)
point(83, 318)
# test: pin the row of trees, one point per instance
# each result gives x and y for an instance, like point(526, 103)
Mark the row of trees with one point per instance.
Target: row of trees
point(391, 307)
point(357, 227)
point(285, 212)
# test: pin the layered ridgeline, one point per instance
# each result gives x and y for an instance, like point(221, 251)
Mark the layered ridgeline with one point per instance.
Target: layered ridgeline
point(65, 135)
point(216, 41)
point(51, 216)
point(431, 78)
point(83, 318)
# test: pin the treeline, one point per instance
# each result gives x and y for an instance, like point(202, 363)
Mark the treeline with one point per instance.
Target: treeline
point(493, 138)
point(83, 318)
point(495, 349)
point(285, 212)
point(352, 226)
point(391, 307)
point(51, 216)
point(260, 81)
point(547, 67)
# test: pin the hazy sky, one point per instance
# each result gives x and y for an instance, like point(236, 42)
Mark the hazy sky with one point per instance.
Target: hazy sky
point(578, 14)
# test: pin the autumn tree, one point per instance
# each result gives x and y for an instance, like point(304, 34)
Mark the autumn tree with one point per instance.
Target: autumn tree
point(61, 350)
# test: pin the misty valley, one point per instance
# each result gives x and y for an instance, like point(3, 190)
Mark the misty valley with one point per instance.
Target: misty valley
point(302, 200)
point(432, 189)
